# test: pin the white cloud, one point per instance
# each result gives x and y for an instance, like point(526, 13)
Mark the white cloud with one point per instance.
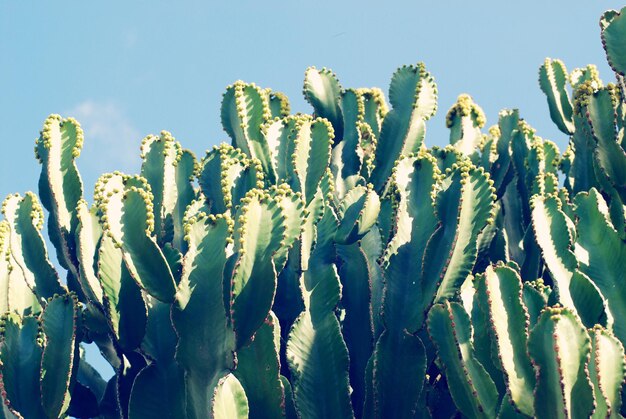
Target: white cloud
point(111, 141)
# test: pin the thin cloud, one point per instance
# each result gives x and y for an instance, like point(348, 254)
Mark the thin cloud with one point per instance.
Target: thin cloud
point(111, 141)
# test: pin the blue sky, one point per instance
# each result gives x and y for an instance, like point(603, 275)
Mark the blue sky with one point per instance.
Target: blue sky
point(126, 69)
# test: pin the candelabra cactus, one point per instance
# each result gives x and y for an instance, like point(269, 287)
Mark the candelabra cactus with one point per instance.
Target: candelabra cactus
point(331, 265)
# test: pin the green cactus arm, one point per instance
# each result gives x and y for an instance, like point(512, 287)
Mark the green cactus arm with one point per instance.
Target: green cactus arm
point(463, 208)
point(483, 337)
point(158, 392)
point(416, 179)
point(315, 211)
point(580, 75)
point(358, 324)
point(278, 103)
point(607, 372)
point(398, 361)
point(88, 234)
point(83, 402)
point(89, 377)
point(581, 174)
point(260, 232)
point(599, 251)
point(226, 175)
point(413, 96)
point(59, 323)
point(28, 249)
point(358, 212)
point(553, 234)
point(123, 303)
point(288, 302)
point(507, 123)
point(21, 342)
point(290, 407)
point(347, 155)
point(320, 389)
point(132, 364)
point(61, 187)
point(535, 295)
point(169, 170)
point(613, 33)
point(511, 219)
point(323, 91)
point(280, 135)
point(375, 109)
point(553, 80)
point(15, 295)
point(206, 341)
point(472, 390)
point(559, 347)
point(160, 340)
point(129, 220)
point(293, 209)
point(160, 386)
point(229, 400)
point(447, 157)
point(610, 155)
point(258, 371)
point(315, 337)
point(509, 322)
point(372, 246)
point(465, 119)
point(245, 108)
point(311, 155)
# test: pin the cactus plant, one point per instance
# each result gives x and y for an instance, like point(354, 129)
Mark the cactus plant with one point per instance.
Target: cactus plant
point(331, 265)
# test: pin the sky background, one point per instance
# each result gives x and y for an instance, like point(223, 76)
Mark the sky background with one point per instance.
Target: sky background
point(126, 69)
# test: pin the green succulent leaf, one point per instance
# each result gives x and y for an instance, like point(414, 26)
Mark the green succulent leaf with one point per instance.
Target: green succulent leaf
point(59, 323)
point(416, 179)
point(61, 187)
point(472, 390)
point(610, 155)
point(358, 325)
point(206, 340)
point(607, 372)
point(508, 318)
point(123, 303)
point(613, 25)
point(399, 361)
point(465, 119)
point(229, 400)
point(245, 108)
point(559, 347)
point(126, 205)
point(158, 391)
point(226, 175)
point(413, 96)
point(358, 212)
point(323, 91)
point(15, 295)
point(463, 207)
point(21, 348)
point(88, 236)
point(169, 170)
point(599, 251)
point(28, 248)
point(553, 233)
point(321, 390)
point(258, 371)
point(553, 80)
point(260, 230)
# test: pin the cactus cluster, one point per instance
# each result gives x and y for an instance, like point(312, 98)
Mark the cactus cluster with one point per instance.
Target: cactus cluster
point(331, 265)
